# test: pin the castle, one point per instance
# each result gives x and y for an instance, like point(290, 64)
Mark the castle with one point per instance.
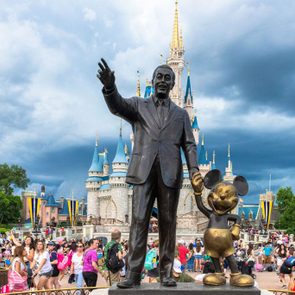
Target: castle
point(109, 197)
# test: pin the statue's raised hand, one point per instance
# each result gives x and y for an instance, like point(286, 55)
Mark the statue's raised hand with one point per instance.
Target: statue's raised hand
point(197, 183)
point(105, 75)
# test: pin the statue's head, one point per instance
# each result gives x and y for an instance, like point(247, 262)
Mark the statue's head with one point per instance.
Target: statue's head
point(223, 196)
point(163, 80)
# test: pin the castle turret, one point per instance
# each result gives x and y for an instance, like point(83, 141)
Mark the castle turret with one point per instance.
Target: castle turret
point(229, 169)
point(196, 130)
point(204, 164)
point(213, 166)
point(138, 85)
point(188, 98)
point(176, 60)
point(93, 182)
point(117, 180)
point(106, 165)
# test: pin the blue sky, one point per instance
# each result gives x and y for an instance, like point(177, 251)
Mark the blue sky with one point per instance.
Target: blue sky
point(242, 61)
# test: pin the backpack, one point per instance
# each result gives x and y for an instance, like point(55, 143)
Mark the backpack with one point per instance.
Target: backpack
point(113, 263)
point(151, 260)
point(61, 265)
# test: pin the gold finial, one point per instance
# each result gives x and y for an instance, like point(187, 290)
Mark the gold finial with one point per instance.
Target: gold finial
point(138, 85)
point(213, 161)
point(175, 44)
point(203, 139)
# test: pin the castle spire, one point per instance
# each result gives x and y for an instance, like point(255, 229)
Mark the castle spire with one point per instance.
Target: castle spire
point(120, 156)
point(96, 139)
point(213, 166)
point(203, 139)
point(138, 85)
point(176, 60)
point(176, 40)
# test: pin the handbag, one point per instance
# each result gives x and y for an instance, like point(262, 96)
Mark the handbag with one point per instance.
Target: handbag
point(71, 278)
point(16, 282)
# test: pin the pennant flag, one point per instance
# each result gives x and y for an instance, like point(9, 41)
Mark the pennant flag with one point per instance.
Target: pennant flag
point(266, 210)
point(73, 210)
point(34, 205)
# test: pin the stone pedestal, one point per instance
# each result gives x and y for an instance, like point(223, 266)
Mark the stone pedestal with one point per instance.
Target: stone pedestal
point(184, 289)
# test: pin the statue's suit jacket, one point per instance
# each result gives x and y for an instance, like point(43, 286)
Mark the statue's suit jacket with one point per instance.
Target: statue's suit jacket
point(152, 139)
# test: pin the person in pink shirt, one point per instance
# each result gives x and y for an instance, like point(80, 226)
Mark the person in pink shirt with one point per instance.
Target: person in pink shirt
point(90, 266)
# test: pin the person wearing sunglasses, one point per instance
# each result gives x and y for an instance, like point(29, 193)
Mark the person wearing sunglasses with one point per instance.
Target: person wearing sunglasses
point(77, 266)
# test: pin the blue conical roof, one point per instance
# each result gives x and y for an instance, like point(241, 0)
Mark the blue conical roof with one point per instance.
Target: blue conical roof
point(51, 202)
point(195, 124)
point(96, 165)
point(183, 160)
point(149, 90)
point(188, 91)
point(120, 156)
point(202, 156)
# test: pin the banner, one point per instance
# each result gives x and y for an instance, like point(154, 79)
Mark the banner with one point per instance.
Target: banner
point(34, 205)
point(73, 210)
point(266, 210)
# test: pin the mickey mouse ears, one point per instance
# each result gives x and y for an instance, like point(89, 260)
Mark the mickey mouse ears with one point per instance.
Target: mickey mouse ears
point(241, 185)
point(212, 178)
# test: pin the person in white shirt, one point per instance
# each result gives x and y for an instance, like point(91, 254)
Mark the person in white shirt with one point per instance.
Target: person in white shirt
point(77, 265)
point(42, 266)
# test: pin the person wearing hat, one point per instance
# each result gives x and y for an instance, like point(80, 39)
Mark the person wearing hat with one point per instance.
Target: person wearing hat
point(53, 280)
point(114, 247)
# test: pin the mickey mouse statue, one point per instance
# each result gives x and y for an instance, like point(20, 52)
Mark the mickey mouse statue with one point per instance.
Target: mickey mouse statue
point(219, 236)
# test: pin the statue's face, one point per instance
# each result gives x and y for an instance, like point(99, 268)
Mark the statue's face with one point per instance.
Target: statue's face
point(223, 198)
point(163, 82)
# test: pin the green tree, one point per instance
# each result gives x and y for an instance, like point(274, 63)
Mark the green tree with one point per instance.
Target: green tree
point(11, 177)
point(286, 207)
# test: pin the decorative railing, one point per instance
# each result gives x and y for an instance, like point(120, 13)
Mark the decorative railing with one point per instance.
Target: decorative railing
point(281, 292)
point(63, 291)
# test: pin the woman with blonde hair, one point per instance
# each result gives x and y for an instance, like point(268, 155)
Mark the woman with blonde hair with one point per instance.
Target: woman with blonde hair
point(17, 276)
point(42, 266)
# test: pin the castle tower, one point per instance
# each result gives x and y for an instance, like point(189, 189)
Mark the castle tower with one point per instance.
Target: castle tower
point(204, 164)
point(138, 85)
point(196, 130)
point(229, 169)
point(93, 183)
point(213, 166)
point(106, 165)
point(188, 98)
point(176, 60)
point(119, 188)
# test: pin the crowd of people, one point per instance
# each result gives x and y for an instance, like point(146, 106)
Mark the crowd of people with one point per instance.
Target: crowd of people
point(47, 264)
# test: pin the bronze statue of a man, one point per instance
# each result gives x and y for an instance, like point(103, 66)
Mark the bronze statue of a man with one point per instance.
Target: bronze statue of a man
point(160, 129)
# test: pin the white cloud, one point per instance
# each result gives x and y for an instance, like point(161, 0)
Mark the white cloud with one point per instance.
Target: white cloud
point(89, 14)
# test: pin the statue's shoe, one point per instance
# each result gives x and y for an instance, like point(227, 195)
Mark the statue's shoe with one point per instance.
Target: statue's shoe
point(241, 280)
point(214, 279)
point(128, 283)
point(169, 282)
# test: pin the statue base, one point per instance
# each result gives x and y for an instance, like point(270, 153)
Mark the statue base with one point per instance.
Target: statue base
point(183, 289)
